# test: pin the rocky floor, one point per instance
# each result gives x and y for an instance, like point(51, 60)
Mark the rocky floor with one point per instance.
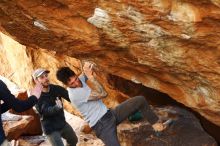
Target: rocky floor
point(185, 130)
point(77, 124)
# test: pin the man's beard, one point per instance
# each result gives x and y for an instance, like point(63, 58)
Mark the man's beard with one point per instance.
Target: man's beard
point(45, 85)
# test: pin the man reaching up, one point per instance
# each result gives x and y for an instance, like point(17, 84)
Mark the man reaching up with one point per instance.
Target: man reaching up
point(88, 101)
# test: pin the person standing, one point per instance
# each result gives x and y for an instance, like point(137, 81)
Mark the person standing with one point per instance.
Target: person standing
point(11, 102)
point(50, 108)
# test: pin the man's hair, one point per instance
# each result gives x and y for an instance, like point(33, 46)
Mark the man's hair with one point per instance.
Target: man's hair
point(64, 73)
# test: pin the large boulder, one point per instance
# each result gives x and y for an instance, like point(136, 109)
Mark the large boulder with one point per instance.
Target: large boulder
point(30, 140)
point(15, 125)
point(185, 130)
point(169, 45)
point(35, 125)
point(21, 94)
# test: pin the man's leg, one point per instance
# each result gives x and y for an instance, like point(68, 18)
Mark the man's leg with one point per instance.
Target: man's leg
point(55, 139)
point(106, 130)
point(132, 105)
point(70, 136)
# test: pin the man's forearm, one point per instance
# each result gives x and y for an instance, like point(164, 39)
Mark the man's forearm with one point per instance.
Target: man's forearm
point(98, 91)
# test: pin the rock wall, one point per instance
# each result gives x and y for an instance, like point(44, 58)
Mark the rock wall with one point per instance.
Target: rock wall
point(169, 45)
point(19, 61)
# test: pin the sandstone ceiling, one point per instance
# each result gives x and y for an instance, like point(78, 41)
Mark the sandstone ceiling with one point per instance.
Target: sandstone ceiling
point(169, 45)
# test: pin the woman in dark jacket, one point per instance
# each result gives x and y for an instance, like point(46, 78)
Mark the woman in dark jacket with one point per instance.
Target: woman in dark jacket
point(10, 102)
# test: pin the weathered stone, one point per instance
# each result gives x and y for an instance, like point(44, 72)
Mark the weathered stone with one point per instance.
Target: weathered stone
point(10, 117)
point(11, 68)
point(185, 130)
point(169, 45)
point(21, 94)
point(35, 125)
point(30, 140)
point(14, 129)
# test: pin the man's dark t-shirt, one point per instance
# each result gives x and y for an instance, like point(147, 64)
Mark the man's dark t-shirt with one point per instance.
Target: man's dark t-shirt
point(52, 117)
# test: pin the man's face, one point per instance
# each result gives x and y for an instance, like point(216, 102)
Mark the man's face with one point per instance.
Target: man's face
point(74, 82)
point(44, 80)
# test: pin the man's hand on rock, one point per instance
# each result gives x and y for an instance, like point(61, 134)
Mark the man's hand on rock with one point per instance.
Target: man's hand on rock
point(87, 69)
